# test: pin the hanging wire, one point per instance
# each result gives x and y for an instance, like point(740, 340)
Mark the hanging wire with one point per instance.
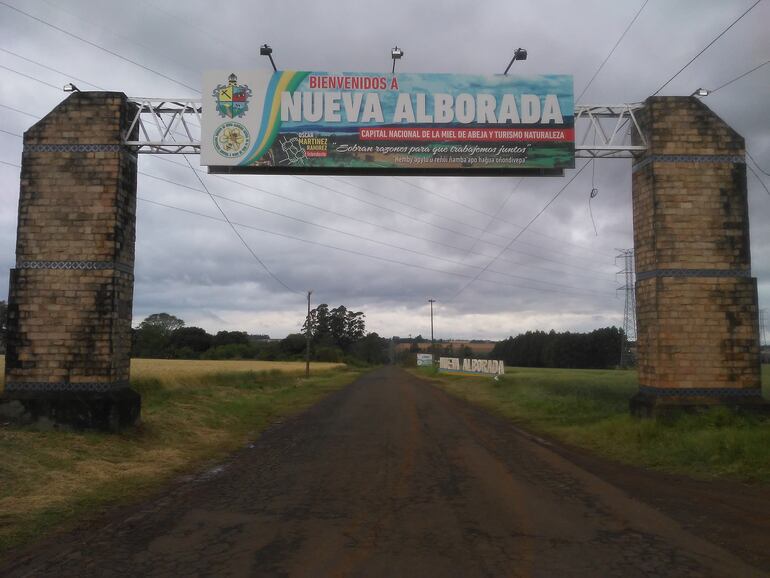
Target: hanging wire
point(594, 190)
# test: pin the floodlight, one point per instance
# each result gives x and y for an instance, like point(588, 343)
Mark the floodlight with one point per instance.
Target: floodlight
point(266, 50)
point(518, 54)
point(395, 53)
point(69, 87)
point(701, 92)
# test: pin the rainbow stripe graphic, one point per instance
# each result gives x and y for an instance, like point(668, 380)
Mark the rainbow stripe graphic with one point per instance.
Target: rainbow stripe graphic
point(280, 82)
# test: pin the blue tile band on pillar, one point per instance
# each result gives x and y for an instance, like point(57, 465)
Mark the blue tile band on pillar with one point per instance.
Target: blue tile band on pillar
point(704, 273)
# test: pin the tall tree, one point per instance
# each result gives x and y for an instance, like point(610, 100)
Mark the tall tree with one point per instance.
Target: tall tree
point(163, 321)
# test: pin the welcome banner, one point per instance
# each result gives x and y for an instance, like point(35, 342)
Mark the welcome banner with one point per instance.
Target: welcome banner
point(291, 121)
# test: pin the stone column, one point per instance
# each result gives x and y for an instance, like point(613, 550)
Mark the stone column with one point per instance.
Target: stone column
point(696, 302)
point(71, 292)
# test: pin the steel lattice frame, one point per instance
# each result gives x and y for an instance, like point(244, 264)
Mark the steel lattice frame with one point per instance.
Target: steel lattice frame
point(172, 126)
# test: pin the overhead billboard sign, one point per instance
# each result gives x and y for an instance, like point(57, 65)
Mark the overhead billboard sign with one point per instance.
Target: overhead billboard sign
point(320, 122)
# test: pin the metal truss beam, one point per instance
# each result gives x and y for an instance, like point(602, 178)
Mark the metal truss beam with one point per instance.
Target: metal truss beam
point(608, 131)
point(172, 126)
point(165, 126)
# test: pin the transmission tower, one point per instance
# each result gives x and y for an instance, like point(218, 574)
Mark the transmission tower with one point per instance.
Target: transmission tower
point(627, 353)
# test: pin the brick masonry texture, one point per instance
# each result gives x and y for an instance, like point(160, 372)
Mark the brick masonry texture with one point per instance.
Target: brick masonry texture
point(74, 326)
point(693, 332)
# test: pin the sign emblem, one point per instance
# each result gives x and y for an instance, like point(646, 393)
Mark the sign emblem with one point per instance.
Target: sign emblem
point(231, 139)
point(232, 98)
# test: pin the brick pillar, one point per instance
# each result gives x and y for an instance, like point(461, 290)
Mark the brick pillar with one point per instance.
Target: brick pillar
point(696, 302)
point(71, 292)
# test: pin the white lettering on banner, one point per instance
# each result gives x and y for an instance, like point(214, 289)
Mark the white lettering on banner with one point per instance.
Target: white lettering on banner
point(404, 112)
point(413, 108)
point(372, 108)
point(481, 366)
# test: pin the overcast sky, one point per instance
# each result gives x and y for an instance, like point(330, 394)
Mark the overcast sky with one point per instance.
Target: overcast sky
point(560, 274)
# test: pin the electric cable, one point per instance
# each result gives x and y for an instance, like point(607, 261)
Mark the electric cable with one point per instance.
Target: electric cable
point(96, 45)
point(229, 222)
point(734, 22)
point(756, 164)
point(622, 36)
point(52, 69)
point(532, 220)
point(592, 194)
point(396, 231)
point(761, 182)
point(492, 219)
point(476, 238)
point(357, 236)
point(475, 210)
point(352, 251)
point(30, 77)
point(187, 164)
point(413, 218)
point(729, 82)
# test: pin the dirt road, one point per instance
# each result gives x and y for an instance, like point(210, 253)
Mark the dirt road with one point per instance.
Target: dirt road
point(391, 477)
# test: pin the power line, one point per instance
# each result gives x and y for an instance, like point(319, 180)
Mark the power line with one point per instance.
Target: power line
point(385, 228)
point(763, 171)
point(492, 219)
point(35, 62)
point(245, 244)
point(729, 82)
point(353, 218)
point(10, 164)
point(734, 22)
point(532, 220)
point(36, 117)
point(132, 39)
point(598, 70)
point(413, 218)
point(476, 238)
point(352, 251)
point(362, 237)
point(479, 211)
point(30, 77)
point(11, 133)
point(96, 45)
point(761, 182)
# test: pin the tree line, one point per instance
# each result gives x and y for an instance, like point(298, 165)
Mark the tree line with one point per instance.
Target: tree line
point(598, 349)
point(337, 335)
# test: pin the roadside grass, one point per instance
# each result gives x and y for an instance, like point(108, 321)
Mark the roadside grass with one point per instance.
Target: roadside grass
point(589, 409)
point(190, 416)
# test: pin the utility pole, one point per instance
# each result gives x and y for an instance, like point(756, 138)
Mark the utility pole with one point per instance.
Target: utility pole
point(762, 322)
point(307, 336)
point(629, 314)
point(432, 343)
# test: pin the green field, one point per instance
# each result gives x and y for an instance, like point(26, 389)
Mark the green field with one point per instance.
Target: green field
point(589, 408)
point(190, 417)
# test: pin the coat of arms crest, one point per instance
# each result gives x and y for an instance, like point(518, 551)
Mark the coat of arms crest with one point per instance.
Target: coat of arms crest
point(232, 98)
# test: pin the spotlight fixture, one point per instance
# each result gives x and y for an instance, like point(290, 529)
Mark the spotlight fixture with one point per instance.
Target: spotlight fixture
point(518, 54)
point(701, 92)
point(395, 53)
point(69, 87)
point(266, 50)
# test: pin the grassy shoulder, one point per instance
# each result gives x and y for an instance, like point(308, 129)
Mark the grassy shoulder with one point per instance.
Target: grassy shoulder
point(589, 408)
point(192, 413)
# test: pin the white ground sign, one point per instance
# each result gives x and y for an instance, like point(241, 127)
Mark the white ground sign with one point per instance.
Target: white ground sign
point(472, 366)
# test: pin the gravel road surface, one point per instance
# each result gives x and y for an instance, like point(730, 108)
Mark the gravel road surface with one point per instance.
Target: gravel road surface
point(391, 477)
